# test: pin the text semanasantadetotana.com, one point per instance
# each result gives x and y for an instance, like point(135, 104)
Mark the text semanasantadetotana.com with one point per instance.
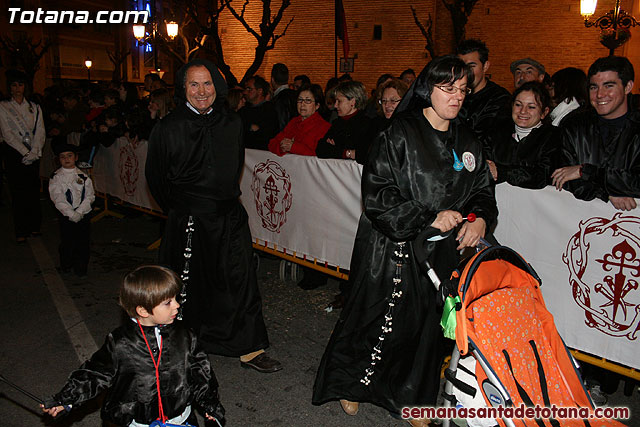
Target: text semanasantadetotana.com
point(520, 412)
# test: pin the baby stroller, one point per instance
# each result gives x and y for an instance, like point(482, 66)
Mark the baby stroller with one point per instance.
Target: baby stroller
point(502, 321)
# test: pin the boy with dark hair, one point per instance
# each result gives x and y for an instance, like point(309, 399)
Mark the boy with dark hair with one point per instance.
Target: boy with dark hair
point(71, 191)
point(151, 367)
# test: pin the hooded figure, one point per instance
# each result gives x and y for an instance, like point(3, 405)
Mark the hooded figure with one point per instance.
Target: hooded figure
point(387, 346)
point(193, 169)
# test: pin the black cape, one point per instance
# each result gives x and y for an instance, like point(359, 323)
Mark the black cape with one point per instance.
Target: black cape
point(611, 165)
point(527, 163)
point(193, 169)
point(354, 133)
point(483, 110)
point(407, 180)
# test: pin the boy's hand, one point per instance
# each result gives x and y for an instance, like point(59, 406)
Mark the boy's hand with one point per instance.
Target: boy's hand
point(53, 411)
point(75, 216)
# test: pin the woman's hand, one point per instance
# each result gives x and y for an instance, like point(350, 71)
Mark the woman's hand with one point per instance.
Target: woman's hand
point(562, 175)
point(470, 233)
point(623, 203)
point(447, 220)
point(493, 169)
point(286, 144)
point(53, 411)
point(331, 141)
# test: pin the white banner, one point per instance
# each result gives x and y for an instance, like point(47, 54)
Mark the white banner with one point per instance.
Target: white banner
point(118, 170)
point(307, 205)
point(587, 255)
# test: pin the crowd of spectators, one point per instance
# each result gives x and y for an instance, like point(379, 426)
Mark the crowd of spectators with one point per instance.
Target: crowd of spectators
point(572, 130)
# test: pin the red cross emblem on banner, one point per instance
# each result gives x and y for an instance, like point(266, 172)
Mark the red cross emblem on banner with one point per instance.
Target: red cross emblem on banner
point(271, 188)
point(602, 258)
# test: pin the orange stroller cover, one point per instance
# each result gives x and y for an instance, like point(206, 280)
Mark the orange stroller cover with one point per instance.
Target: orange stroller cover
point(504, 316)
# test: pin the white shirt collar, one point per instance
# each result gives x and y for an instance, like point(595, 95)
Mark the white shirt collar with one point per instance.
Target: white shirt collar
point(192, 108)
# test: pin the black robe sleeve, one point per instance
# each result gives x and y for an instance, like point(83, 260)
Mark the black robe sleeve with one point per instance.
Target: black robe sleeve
point(92, 377)
point(156, 168)
point(390, 209)
point(204, 384)
point(528, 163)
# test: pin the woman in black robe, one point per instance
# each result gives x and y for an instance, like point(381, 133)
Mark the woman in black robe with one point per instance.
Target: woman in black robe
point(425, 170)
point(193, 170)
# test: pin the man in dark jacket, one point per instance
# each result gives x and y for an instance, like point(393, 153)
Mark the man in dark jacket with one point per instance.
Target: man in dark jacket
point(284, 99)
point(259, 116)
point(488, 103)
point(601, 146)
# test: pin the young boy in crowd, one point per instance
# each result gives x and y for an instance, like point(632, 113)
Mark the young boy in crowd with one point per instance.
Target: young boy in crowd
point(71, 190)
point(151, 367)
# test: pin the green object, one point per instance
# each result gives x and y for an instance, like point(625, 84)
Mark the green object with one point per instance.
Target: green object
point(448, 321)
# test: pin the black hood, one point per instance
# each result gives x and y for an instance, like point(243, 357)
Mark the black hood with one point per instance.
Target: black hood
point(218, 81)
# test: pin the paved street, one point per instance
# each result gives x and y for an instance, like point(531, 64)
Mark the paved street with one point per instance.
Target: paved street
point(47, 320)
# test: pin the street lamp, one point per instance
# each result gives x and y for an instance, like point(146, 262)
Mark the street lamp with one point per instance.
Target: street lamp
point(140, 33)
point(88, 63)
point(614, 25)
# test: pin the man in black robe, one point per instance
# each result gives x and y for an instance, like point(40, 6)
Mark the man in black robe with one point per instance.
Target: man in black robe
point(601, 145)
point(488, 103)
point(193, 168)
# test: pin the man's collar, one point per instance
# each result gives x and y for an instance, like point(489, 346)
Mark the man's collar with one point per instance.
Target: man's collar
point(192, 108)
point(280, 89)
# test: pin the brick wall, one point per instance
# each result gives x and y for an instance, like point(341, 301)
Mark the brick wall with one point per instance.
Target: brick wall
point(308, 47)
point(550, 31)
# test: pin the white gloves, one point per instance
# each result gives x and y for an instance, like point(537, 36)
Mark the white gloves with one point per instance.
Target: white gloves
point(75, 216)
point(29, 158)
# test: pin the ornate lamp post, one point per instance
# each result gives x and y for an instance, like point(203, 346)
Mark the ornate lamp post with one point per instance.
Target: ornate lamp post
point(88, 63)
point(152, 36)
point(614, 25)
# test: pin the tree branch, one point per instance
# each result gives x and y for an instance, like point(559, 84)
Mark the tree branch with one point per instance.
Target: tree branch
point(426, 32)
point(240, 17)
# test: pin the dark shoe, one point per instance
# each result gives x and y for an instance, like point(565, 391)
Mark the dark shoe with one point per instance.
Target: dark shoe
point(307, 285)
point(263, 364)
point(63, 270)
point(338, 302)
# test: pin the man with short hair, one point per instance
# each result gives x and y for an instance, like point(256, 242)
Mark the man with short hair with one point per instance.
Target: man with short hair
point(150, 81)
point(408, 76)
point(301, 80)
point(259, 115)
point(488, 103)
point(193, 169)
point(601, 145)
point(284, 99)
point(526, 70)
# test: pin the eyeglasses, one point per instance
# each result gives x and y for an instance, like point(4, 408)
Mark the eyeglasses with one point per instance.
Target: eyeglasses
point(388, 101)
point(305, 100)
point(452, 90)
